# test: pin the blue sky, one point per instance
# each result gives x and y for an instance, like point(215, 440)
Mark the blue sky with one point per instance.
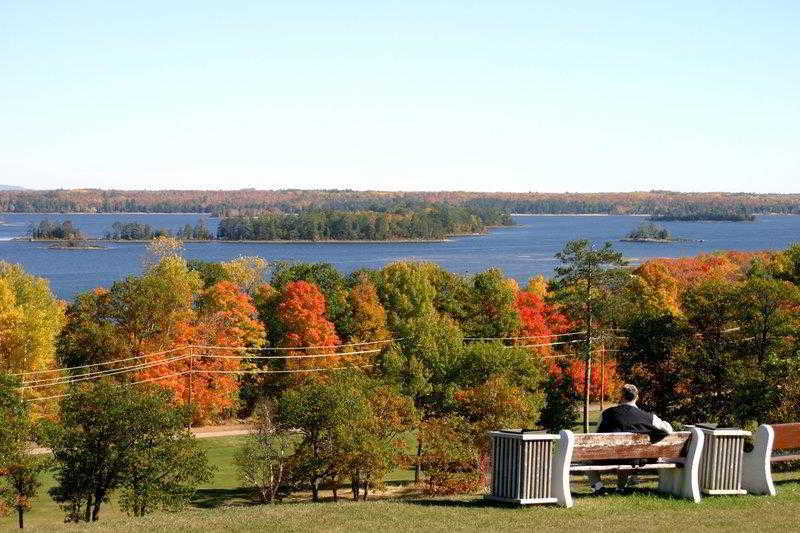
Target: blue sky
point(412, 95)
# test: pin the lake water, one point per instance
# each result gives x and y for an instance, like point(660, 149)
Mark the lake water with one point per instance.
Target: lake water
point(521, 251)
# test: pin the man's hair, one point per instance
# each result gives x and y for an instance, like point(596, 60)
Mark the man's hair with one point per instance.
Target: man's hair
point(629, 392)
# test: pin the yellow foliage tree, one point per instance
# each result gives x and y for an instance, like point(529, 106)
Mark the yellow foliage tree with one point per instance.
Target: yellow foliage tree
point(30, 319)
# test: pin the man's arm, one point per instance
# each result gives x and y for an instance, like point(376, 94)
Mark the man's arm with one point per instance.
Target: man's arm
point(663, 426)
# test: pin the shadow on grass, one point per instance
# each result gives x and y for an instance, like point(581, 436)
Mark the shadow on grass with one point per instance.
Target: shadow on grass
point(210, 498)
point(476, 503)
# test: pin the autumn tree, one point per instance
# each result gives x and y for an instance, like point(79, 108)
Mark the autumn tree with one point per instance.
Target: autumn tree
point(319, 411)
point(425, 365)
point(584, 277)
point(224, 316)
point(20, 472)
point(90, 334)
point(407, 295)
point(247, 272)
point(108, 437)
point(540, 320)
point(329, 281)
point(452, 292)
point(492, 311)
point(767, 311)
point(302, 312)
point(263, 460)
point(30, 320)
point(560, 410)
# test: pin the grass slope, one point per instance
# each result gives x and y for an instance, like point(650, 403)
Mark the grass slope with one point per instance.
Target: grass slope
point(224, 505)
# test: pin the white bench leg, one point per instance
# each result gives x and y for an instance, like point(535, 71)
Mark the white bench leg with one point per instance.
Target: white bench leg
point(669, 481)
point(690, 473)
point(563, 459)
point(756, 469)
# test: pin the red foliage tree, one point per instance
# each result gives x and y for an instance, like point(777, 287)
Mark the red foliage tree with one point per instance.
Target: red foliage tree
point(302, 312)
point(539, 319)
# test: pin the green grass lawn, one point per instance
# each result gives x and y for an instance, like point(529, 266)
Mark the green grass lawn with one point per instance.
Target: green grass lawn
point(224, 505)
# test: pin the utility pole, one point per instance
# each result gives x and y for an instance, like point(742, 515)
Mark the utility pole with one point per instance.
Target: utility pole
point(602, 376)
point(191, 376)
point(587, 373)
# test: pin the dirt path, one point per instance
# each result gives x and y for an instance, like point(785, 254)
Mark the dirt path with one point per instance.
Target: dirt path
point(205, 432)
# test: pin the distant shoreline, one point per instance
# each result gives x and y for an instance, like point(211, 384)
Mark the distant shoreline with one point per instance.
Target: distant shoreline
point(211, 241)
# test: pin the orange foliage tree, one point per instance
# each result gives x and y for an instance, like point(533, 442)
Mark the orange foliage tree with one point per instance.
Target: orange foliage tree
point(302, 313)
point(225, 317)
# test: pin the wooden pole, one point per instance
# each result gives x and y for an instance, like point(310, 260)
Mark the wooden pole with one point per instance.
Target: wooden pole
point(602, 376)
point(191, 375)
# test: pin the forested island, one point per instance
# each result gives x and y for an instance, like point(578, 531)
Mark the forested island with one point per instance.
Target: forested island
point(252, 202)
point(438, 222)
point(716, 216)
point(66, 235)
point(649, 233)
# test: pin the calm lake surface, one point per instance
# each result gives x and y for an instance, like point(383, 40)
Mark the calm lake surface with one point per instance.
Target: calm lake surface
point(521, 251)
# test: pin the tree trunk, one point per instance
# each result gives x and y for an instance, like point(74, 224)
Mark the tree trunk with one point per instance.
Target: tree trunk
point(315, 489)
point(355, 484)
point(418, 467)
point(366, 490)
point(88, 514)
point(98, 500)
point(20, 512)
point(335, 490)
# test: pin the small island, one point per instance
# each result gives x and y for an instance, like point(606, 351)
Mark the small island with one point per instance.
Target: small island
point(63, 235)
point(717, 215)
point(649, 232)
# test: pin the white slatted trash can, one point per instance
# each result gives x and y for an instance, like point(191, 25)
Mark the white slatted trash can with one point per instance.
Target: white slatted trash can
point(522, 466)
point(721, 461)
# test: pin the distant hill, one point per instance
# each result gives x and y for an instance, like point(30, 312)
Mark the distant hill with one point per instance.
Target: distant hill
point(10, 188)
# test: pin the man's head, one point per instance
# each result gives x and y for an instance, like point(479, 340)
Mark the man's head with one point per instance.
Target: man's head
point(629, 393)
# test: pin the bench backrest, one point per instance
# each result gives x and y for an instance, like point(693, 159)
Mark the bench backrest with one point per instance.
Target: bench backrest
point(595, 446)
point(787, 436)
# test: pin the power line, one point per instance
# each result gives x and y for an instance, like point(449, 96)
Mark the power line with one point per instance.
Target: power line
point(340, 354)
point(114, 372)
point(101, 373)
point(546, 344)
point(299, 370)
point(105, 363)
point(207, 347)
point(132, 383)
point(521, 338)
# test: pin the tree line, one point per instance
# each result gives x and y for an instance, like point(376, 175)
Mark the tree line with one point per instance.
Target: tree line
point(707, 338)
point(251, 201)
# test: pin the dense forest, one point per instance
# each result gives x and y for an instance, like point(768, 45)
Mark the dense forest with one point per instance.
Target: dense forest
point(436, 222)
point(251, 201)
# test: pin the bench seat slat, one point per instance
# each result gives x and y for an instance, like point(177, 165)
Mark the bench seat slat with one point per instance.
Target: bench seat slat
point(600, 468)
point(784, 458)
point(596, 446)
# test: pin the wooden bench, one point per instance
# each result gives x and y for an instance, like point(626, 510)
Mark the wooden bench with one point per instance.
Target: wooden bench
point(757, 463)
point(678, 456)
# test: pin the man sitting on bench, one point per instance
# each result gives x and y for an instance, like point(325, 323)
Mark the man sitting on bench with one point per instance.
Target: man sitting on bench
point(627, 418)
